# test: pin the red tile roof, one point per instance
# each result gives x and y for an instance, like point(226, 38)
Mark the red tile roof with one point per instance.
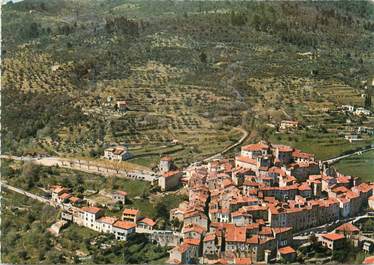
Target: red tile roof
point(65, 196)
point(92, 210)
point(170, 173)
point(280, 230)
point(192, 241)
point(286, 250)
point(348, 227)
point(368, 260)
point(182, 247)
point(235, 234)
point(227, 182)
point(333, 236)
point(246, 159)
point(107, 219)
point(130, 212)
point(340, 189)
point(284, 148)
point(364, 187)
point(266, 230)
point(343, 179)
point(74, 199)
point(194, 228)
point(304, 187)
point(210, 237)
point(253, 240)
point(194, 213)
point(242, 261)
point(303, 155)
point(147, 221)
point(255, 147)
point(124, 225)
point(352, 195)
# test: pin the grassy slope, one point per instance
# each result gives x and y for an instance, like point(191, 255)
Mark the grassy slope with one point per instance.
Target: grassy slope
point(362, 165)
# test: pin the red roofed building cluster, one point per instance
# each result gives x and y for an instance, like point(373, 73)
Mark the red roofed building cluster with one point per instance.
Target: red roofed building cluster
point(249, 207)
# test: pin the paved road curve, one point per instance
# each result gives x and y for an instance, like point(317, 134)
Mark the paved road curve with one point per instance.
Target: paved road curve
point(227, 149)
point(336, 159)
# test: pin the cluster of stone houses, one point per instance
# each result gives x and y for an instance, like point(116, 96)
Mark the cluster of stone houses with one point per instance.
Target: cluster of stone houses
point(77, 211)
point(248, 208)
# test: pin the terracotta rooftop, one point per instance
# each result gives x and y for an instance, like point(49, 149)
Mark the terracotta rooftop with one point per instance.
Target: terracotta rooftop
point(286, 250)
point(193, 228)
point(304, 187)
point(284, 148)
point(192, 241)
point(147, 221)
point(303, 155)
point(246, 159)
point(255, 147)
point(209, 237)
point(92, 210)
point(333, 236)
point(124, 225)
point(242, 261)
point(130, 212)
point(65, 196)
point(182, 247)
point(74, 199)
point(368, 260)
point(348, 227)
point(107, 219)
point(170, 173)
point(235, 234)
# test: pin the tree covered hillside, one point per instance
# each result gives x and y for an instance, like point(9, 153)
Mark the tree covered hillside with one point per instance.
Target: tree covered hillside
point(190, 71)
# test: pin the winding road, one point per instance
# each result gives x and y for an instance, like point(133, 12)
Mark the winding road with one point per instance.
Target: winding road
point(227, 149)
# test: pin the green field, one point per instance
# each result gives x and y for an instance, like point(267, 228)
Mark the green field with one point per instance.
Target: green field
point(358, 165)
point(323, 145)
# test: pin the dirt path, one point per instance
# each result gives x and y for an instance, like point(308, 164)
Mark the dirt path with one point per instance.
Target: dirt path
point(227, 149)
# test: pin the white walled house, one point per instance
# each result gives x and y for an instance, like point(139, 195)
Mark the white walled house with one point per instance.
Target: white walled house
point(121, 229)
point(118, 153)
point(105, 224)
point(89, 216)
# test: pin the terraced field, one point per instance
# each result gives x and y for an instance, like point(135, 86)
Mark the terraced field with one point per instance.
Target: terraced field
point(190, 72)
